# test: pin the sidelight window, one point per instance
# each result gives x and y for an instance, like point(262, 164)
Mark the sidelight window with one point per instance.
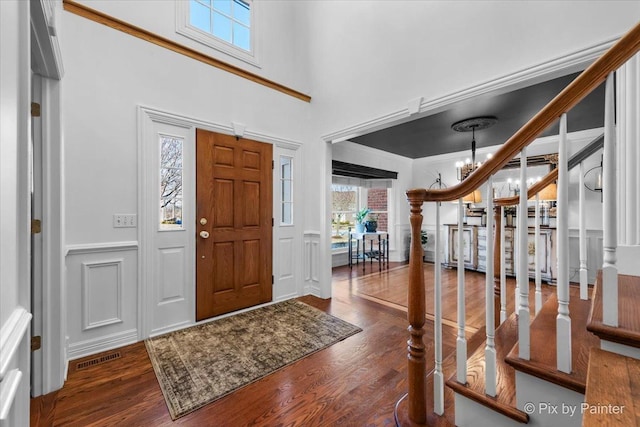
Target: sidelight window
point(286, 190)
point(171, 155)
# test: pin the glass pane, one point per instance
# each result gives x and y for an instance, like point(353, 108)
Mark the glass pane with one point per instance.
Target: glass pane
point(171, 152)
point(241, 36)
point(170, 183)
point(344, 206)
point(286, 213)
point(222, 27)
point(223, 6)
point(344, 198)
point(241, 12)
point(285, 165)
point(200, 16)
point(286, 191)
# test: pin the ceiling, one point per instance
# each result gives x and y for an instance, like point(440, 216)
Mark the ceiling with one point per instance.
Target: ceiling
point(432, 135)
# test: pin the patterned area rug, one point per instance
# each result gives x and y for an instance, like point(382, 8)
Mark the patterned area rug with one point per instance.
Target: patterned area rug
point(198, 365)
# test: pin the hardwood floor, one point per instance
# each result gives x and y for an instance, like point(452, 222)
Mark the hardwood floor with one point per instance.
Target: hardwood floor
point(355, 382)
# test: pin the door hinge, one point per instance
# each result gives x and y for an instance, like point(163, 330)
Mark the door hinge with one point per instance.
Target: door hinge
point(36, 343)
point(273, 164)
point(36, 226)
point(272, 279)
point(272, 222)
point(35, 109)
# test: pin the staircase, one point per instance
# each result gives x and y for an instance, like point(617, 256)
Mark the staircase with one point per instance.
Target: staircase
point(534, 392)
point(574, 360)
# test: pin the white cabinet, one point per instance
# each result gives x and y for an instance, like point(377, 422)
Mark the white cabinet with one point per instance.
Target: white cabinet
point(475, 250)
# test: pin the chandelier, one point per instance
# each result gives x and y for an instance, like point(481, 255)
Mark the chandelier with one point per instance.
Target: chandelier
point(465, 168)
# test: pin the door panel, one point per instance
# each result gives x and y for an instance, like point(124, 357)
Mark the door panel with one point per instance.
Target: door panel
point(234, 195)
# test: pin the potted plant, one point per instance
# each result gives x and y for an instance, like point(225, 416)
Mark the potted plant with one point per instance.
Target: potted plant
point(371, 224)
point(424, 239)
point(360, 216)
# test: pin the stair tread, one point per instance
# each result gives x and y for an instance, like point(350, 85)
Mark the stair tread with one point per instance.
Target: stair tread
point(505, 401)
point(543, 360)
point(448, 367)
point(628, 330)
point(613, 390)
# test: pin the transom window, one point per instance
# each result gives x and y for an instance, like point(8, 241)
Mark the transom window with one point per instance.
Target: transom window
point(225, 25)
point(229, 20)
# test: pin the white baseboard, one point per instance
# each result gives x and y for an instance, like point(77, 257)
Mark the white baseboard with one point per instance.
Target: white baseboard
point(109, 342)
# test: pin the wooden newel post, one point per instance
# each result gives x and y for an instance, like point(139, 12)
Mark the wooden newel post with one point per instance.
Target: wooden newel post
point(497, 219)
point(417, 398)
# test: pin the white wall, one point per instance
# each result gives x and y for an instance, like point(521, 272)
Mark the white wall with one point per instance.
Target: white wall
point(370, 58)
point(108, 75)
point(281, 36)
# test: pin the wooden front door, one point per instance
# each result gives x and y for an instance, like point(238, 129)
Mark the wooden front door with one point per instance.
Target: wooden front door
point(234, 223)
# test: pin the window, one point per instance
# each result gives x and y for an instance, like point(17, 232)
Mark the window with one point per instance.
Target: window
point(225, 25)
point(170, 183)
point(344, 200)
point(286, 190)
point(347, 200)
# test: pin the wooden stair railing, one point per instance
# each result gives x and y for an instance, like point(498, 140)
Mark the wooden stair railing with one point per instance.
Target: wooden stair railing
point(578, 89)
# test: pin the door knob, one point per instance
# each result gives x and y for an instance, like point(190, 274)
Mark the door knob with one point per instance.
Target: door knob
point(204, 234)
point(203, 221)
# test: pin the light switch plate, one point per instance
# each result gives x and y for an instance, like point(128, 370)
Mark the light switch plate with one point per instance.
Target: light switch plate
point(125, 220)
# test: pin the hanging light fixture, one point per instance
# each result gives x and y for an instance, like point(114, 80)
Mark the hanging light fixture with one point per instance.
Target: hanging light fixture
point(464, 169)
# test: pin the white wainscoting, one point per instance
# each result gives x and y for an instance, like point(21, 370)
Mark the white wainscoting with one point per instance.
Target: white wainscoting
point(400, 252)
point(311, 263)
point(102, 297)
point(101, 285)
point(429, 253)
point(594, 254)
point(284, 270)
point(14, 383)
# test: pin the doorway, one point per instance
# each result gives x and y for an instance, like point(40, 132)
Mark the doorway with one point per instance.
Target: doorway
point(234, 220)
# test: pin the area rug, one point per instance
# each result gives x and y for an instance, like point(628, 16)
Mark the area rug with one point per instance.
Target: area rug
point(198, 365)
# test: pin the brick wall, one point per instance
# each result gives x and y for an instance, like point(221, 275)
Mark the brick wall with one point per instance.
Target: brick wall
point(377, 201)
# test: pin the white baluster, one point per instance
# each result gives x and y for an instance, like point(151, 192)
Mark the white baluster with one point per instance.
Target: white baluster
point(461, 341)
point(524, 341)
point(563, 321)
point(536, 255)
point(490, 348)
point(503, 268)
point(609, 267)
point(516, 263)
point(584, 281)
point(438, 376)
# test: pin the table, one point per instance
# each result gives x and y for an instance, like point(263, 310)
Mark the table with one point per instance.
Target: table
point(381, 251)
